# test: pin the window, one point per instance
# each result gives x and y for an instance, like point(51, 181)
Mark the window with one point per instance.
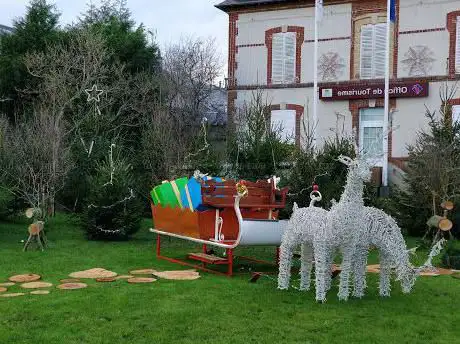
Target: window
point(371, 133)
point(284, 120)
point(457, 47)
point(284, 58)
point(373, 47)
point(456, 113)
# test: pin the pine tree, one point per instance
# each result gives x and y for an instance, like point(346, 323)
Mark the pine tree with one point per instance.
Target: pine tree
point(433, 171)
point(113, 210)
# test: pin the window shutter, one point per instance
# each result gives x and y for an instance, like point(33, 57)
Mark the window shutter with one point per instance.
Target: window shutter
point(457, 47)
point(380, 32)
point(289, 57)
point(277, 58)
point(455, 113)
point(367, 48)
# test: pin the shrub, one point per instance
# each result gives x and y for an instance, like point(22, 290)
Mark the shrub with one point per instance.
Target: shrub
point(432, 174)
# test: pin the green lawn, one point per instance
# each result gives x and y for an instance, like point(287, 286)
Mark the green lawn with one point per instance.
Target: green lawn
point(213, 309)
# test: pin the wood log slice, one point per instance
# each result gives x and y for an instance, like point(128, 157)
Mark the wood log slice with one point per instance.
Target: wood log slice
point(25, 278)
point(7, 284)
point(445, 225)
point(40, 292)
point(36, 285)
point(72, 286)
point(93, 273)
point(136, 280)
point(180, 275)
point(142, 272)
point(12, 294)
point(457, 276)
point(3, 289)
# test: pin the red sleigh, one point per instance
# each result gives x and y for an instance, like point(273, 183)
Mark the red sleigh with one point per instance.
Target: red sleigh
point(227, 222)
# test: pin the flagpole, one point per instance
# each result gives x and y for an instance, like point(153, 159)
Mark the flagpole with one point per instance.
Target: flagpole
point(387, 98)
point(315, 74)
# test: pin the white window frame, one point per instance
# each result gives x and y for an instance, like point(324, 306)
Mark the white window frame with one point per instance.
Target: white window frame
point(375, 52)
point(275, 120)
point(370, 124)
point(283, 79)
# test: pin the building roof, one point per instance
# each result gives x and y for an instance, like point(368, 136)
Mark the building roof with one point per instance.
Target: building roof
point(230, 4)
point(4, 28)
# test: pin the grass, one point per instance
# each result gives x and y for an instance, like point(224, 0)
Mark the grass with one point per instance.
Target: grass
point(213, 309)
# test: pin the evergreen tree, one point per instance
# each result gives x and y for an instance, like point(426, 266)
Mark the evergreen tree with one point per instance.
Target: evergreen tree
point(433, 172)
point(129, 44)
point(38, 29)
point(113, 210)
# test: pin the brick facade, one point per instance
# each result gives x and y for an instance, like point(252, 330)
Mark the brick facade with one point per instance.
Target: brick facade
point(452, 28)
point(232, 48)
point(299, 30)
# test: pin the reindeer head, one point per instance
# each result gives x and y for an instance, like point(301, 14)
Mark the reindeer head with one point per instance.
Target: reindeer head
point(407, 277)
point(358, 168)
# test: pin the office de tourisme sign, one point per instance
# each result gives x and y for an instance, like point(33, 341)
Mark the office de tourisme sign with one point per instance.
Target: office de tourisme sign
point(372, 91)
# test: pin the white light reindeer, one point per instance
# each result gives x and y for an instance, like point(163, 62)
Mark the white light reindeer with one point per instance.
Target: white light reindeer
point(304, 225)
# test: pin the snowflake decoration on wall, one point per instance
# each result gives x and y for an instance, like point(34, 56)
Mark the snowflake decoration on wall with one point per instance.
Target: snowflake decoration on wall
point(418, 60)
point(330, 66)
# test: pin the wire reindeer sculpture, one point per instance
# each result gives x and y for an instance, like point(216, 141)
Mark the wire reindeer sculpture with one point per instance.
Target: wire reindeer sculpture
point(352, 228)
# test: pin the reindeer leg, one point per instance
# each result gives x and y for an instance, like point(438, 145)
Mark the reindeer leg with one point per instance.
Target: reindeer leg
point(347, 264)
point(306, 265)
point(385, 275)
point(359, 271)
point(285, 262)
point(321, 251)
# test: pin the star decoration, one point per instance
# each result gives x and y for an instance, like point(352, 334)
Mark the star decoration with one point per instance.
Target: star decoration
point(94, 94)
point(418, 60)
point(330, 66)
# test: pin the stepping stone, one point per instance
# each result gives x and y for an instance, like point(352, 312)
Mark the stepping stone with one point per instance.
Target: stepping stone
point(429, 273)
point(3, 289)
point(7, 284)
point(70, 280)
point(136, 280)
point(12, 294)
point(93, 273)
point(181, 275)
point(25, 278)
point(36, 285)
point(40, 292)
point(124, 277)
point(457, 275)
point(106, 279)
point(143, 272)
point(72, 286)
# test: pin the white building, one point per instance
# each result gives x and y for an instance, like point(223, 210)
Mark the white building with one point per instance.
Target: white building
point(271, 47)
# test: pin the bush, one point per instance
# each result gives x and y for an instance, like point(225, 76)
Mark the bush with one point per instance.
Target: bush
point(322, 169)
point(432, 174)
point(451, 256)
point(113, 211)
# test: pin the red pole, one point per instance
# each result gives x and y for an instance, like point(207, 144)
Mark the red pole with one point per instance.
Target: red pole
point(158, 245)
point(230, 261)
point(205, 249)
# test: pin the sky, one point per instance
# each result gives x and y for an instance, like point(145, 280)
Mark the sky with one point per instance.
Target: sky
point(169, 19)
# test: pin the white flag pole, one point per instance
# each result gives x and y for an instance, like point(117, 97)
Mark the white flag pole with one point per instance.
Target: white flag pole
point(387, 99)
point(318, 14)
